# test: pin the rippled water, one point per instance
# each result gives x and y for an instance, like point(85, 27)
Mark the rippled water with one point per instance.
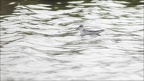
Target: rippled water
point(39, 40)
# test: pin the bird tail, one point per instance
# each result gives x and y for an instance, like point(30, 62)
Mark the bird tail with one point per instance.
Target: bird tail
point(100, 31)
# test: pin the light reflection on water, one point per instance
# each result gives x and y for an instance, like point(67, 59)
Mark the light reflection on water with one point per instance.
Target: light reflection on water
point(39, 41)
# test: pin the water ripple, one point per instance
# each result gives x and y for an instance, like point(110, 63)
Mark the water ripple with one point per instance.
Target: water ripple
point(39, 41)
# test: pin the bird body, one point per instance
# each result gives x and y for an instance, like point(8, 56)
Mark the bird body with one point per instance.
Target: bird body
point(84, 31)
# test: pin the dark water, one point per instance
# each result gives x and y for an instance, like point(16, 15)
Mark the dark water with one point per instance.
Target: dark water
point(39, 40)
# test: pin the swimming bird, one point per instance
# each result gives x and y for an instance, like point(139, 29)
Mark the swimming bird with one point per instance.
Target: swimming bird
point(84, 31)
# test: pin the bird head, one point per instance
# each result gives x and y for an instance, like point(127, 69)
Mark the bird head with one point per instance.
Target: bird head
point(80, 27)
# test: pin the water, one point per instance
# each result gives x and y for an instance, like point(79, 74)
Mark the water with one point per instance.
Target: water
point(39, 40)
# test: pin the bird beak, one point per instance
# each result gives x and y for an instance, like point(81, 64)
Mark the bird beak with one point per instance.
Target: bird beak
point(77, 28)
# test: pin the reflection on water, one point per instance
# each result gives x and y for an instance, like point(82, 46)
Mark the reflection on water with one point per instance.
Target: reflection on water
point(39, 40)
point(8, 6)
point(132, 3)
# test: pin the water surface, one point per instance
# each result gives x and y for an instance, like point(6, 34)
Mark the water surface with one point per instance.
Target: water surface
point(39, 40)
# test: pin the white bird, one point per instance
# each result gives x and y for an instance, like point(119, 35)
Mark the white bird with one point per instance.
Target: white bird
point(84, 31)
